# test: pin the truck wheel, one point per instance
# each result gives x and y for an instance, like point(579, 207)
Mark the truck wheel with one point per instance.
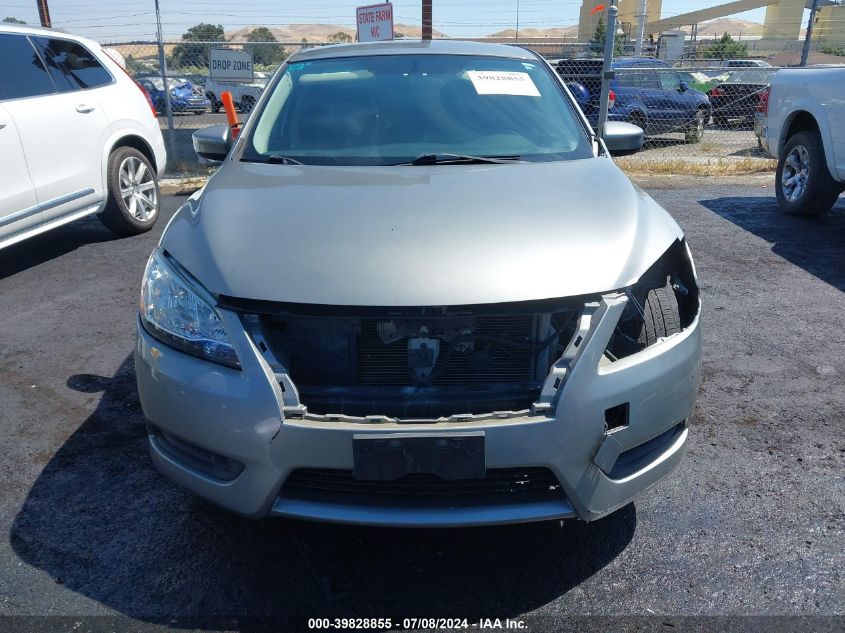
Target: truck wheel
point(803, 183)
point(214, 104)
point(133, 196)
point(247, 104)
point(695, 130)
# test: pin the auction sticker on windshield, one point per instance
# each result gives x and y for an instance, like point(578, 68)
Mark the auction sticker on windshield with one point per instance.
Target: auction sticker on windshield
point(500, 82)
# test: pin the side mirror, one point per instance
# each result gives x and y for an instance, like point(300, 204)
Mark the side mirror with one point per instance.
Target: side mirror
point(213, 143)
point(683, 86)
point(623, 138)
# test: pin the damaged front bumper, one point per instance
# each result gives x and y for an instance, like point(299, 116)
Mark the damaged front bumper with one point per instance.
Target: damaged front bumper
point(603, 431)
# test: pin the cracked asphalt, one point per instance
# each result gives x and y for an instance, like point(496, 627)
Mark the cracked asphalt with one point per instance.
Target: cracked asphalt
point(751, 523)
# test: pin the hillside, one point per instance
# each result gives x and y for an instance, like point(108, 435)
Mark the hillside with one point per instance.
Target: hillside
point(558, 32)
point(319, 32)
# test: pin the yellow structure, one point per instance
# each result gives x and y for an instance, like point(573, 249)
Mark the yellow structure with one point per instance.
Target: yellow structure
point(783, 20)
point(782, 23)
point(627, 18)
point(829, 29)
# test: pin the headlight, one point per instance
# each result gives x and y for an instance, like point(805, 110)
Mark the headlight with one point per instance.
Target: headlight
point(174, 314)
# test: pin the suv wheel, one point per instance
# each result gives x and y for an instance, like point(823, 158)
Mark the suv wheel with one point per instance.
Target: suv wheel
point(214, 103)
point(247, 104)
point(695, 130)
point(133, 195)
point(802, 182)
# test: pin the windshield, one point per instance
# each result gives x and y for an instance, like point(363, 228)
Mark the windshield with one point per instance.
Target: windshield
point(392, 109)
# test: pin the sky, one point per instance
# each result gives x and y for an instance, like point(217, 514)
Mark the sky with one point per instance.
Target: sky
point(108, 21)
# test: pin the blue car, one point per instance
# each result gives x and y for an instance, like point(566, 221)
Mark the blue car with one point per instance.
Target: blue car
point(184, 96)
point(648, 93)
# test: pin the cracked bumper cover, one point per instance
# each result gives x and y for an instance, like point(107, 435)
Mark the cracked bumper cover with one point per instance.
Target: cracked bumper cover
point(238, 414)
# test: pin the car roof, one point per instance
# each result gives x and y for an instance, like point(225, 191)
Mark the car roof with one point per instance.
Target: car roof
point(413, 47)
point(27, 29)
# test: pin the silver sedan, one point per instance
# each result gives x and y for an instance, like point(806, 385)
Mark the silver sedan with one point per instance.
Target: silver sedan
point(418, 292)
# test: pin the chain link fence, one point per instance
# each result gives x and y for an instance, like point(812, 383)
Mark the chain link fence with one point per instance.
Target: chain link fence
point(699, 116)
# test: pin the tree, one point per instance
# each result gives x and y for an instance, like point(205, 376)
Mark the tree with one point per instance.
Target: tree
point(724, 48)
point(341, 37)
point(13, 21)
point(597, 41)
point(134, 67)
point(268, 53)
point(193, 51)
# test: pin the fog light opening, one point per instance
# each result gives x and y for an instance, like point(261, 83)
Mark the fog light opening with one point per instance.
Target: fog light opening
point(616, 417)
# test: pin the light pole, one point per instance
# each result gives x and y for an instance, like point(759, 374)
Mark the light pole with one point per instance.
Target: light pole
point(162, 65)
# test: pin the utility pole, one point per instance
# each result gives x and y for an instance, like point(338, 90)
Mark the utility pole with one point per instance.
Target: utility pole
point(516, 39)
point(44, 13)
point(162, 66)
point(805, 52)
point(426, 19)
point(642, 16)
point(607, 66)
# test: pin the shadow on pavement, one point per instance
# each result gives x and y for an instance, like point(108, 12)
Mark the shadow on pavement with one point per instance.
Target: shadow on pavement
point(55, 243)
point(102, 522)
point(813, 243)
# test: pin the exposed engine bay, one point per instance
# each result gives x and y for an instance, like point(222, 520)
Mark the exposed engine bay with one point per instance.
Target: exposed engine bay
point(438, 362)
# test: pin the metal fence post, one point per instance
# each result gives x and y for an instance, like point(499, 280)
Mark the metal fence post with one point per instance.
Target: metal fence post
point(607, 67)
point(805, 50)
point(162, 64)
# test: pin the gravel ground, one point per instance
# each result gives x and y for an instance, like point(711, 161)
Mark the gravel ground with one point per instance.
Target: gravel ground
point(752, 522)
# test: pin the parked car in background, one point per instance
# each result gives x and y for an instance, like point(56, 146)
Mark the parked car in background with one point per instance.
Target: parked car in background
point(648, 93)
point(244, 95)
point(805, 132)
point(77, 137)
point(464, 314)
point(184, 95)
point(735, 99)
point(698, 80)
point(744, 63)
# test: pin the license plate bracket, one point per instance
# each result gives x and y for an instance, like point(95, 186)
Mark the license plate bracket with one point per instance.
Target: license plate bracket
point(386, 457)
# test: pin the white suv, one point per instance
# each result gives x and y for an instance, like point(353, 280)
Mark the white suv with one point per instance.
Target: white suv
point(77, 137)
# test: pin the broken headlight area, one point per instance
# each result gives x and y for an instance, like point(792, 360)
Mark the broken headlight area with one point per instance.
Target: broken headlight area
point(663, 302)
point(416, 363)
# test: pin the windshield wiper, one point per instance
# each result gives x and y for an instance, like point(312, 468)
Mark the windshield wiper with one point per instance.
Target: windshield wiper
point(450, 159)
point(283, 160)
point(273, 159)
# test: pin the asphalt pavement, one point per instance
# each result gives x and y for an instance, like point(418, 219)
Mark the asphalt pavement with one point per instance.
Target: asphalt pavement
point(751, 523)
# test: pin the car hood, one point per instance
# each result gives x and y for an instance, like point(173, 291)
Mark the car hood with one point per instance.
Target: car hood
point(418, 236)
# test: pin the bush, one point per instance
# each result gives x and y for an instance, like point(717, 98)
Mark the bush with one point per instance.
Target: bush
point(724, 48)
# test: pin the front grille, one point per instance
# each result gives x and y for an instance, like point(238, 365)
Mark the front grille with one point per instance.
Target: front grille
point(417, 363)
point(381, 364)
point(500, 485)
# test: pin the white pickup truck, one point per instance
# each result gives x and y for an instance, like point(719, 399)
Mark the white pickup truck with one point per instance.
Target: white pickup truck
point(805, 132)
point(245, 96)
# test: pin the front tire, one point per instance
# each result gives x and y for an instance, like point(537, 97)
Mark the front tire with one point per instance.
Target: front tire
point(214, 103)
point(695, 130)
point(803, 184)
point(133, 193)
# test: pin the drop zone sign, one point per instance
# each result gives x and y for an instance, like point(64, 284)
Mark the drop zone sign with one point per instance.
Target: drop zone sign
point(225, 64)
point(375, 22)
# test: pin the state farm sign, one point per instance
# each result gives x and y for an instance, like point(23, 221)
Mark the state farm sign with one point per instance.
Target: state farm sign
point(375, 22)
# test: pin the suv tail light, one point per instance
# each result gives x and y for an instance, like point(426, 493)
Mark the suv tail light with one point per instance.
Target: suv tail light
point(763, 101)
point(717, 92)
point(611, 99)
point(147, 97)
